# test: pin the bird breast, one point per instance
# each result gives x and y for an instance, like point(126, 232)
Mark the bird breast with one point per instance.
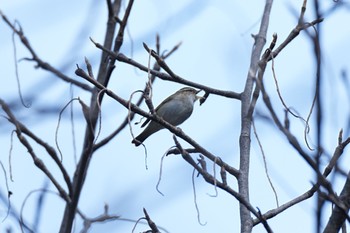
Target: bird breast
point(176, 111)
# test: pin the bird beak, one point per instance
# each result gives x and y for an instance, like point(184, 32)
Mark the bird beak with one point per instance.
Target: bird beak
point(199, 97)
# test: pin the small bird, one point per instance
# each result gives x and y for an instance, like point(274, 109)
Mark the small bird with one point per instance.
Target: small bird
point(175, 110)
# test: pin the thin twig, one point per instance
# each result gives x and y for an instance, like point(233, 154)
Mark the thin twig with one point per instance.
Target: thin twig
point(74, 143)
point(8, 192)
point(184, 154)
point(195, 199)
point(10, 155)
point(16, 66)
point(161, 171)
point(265, 163)
point(58, 125)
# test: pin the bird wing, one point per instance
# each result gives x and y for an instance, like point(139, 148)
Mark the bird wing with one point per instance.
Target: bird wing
point(145, 123)
point(162, 103)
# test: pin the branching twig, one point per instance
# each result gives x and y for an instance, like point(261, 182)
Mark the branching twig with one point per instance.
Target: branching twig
point(104, 74)
point(20, 128)
point(210, 179)
point(294, 33)
point(122, 58)
point(105, 217)
point(151, 224)
point(262, 64)
point(247, 110)
point(336, 155)
point(131, 114)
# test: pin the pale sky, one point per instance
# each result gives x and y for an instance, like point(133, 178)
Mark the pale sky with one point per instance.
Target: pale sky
point(215, 51)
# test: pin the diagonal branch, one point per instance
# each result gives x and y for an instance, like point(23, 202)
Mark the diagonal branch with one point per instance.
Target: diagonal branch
point(138, 102)
point(122, 58)
point(40, 63)
point(177, 131)
point(37, 161)
point(332, 163)
point(212, 180)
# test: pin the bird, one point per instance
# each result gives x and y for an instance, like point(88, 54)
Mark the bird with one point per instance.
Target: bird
point(175, 110)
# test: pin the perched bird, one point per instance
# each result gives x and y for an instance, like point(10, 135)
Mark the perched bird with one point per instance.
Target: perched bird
point(175, 110)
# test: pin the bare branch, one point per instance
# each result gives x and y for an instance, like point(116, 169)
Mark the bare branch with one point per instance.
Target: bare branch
point(151, 224)
point(122, 58)
point(246, 119)
point(336, 155)
point(40, 63)
point(20, 128)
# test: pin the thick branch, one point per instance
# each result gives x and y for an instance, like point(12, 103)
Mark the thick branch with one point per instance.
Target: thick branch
point(103, 77)
point(246, 118)
point(339, 215)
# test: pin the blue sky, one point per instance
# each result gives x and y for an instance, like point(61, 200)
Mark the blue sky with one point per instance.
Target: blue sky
point(215, 51)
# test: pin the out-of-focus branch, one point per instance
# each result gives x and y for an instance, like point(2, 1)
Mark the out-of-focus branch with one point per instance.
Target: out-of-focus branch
point(291, 138)
point(40, 63)
point(332, 163)
point(339, 215)
point(49, 149)
point(319, 123)
point(118, 41)
point(105, 217)
point(20, 129)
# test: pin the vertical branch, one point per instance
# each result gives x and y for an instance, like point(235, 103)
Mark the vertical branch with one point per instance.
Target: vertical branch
point(246, 118)
point(102, 77)
point(315, 40)
point(338, 217)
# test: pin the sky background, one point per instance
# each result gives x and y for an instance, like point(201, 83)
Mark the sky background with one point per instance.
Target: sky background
point(215, 51)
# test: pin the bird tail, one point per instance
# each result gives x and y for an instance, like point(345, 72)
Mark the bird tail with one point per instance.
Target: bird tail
point(150, 129)
point(139, 139)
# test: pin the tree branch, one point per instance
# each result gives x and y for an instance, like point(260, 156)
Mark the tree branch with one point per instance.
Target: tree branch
point(40, 63)
point(122, 58)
